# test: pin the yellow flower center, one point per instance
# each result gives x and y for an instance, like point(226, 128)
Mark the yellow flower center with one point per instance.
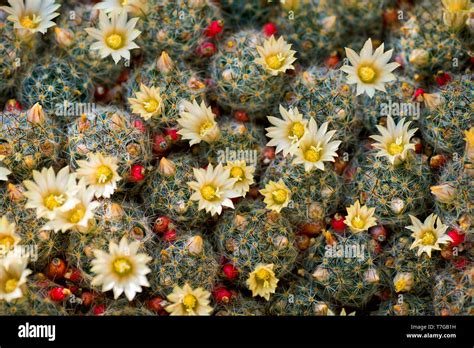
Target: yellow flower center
point(367, 74)
point(429, 238)
point(396, 147)
point(122, 266)
point(54, 201)
point(114, 41)
point(77, 214)
point(190, 301)
point(456, 6)
point(30, 23)
point(275, 61)
point(7, 241)
point(209, 192)
point(151, 105)
point(237, 172)
point(263, 275)
point(280, 196)
point(124, 2)
point(205, 127)
point(313, 154)
point(400, 284)
point(104, 174)
point(297, 130)
point(358, 222)
point(11, 285)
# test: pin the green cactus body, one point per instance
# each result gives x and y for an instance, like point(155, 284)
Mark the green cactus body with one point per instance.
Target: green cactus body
point(40, 245)
point(314, 194)
point(300, 298)
point(325, 96)
point(408, 304)
point(444, 127)
point(35, 300)
point(239, 12)
point(111, 132)
point(427, 46)
point(252, 235)
point(176, 26)
point(397, 102)
point(170, 194)
point(241, 83)
point(112, 222)
point(346, 272)
point(399, 258)
point(77, 49)
point(28, 146)
point(122, 307)
point(57, 84)
point(182, 262)
point(394, 191)
point(240, 305)
point(453, 293)
point(179, 84)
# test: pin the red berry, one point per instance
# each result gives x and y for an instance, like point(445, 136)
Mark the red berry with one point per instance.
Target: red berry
point(173, 134)
point(99, 309)
point(241, 116)
point(138, 124)
point(214, 28)
point(460, 263)
point(161, 224)
point(156, 305)
point(160, 144)
point(456, 236)
point(87, 298)
point(74, 289)
point(270, 29)
point(269, 152)
point(379, 233)
point(207, 49)
point(137, 173)
point(338, 224)
point(221, 295)
point(56, 269)
point(311, 228)
point(419, 92)
point(170, 235)
point(230, 271)
point(442, 78)
point(74, 275)
point(100, 92)
point(332, 61)
point(59, 294)
point(12, 105)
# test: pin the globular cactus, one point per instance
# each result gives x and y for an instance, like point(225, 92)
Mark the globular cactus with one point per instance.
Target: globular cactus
point(176, 26)
point(119, 307)
point(36, 300)
point(41, 245)
point(427, 46)
point(252, 235)
point(398, 102)
point(444, 124)
point(113, 220)
point(175, 84)
point(73, 43)
point(189, 259)
point(315, 34)
point(399, 259)
point(314, 194)
point(453, 292)
point(241, 305)
point(166, 190)
point(344, 268)
point(325, 96)
point(394, 191)
point(407, 304)
point(240, 82)
point(57, 84)
point(29, 140)
point(301, 298)
point(239, 13)
point(112, 133)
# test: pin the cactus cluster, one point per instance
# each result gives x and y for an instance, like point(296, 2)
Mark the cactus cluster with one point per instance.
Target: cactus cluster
point(453, 292)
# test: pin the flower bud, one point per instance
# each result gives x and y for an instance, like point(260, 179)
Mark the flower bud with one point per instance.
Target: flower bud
point(195, 245)
point(167, 167)
point(36, 114)
point(164, 63)
point(420, 58)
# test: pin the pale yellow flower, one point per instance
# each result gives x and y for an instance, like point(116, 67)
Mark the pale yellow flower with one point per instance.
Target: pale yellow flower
point(444, 193)
point(360, 218)
point(13, 274)
point(244, 175)
point(427, 236)
point(277, 195)
point(188, 301)
point(148, 102)
point(394, 141)
point(456, 13)
point(135, 7)
point(34, 16)
point(403, 281)
point(262, 281)
point(276, 56)
point(8, 237)
point(122, 269)
point(198, 123)
point(369, 70)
